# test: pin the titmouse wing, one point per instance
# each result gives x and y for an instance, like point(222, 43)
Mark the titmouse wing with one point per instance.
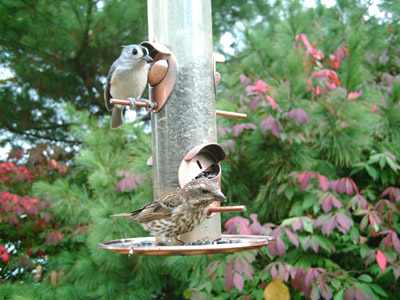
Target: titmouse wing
point(117, 114)
point(107, 93)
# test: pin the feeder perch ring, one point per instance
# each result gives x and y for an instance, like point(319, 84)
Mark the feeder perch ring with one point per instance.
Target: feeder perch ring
point(241, 243)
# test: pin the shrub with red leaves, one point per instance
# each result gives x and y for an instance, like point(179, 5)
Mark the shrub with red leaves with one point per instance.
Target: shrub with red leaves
point(27, 225)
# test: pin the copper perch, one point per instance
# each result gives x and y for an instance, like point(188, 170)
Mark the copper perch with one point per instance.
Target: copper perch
point(128, 103)
point(231, 114)
point(223, 209)
point(144, 104)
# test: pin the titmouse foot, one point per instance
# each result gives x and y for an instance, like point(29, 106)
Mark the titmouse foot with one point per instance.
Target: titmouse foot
point(133, 103)
point(150, 105)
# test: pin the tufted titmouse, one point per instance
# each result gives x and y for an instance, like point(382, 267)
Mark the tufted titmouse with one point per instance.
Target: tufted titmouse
point(126, 79)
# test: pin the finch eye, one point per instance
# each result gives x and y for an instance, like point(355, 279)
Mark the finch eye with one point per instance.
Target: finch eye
point(134, 51)
point(204, 191)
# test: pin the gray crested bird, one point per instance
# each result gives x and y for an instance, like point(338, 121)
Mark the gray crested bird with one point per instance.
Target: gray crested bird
point(178, 212)
point(126, 79)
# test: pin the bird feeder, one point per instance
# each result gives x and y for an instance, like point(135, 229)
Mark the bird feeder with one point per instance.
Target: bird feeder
point(183, 83)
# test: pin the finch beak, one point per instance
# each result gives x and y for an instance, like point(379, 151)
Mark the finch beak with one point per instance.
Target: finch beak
point(147, 58)
point(218, 196)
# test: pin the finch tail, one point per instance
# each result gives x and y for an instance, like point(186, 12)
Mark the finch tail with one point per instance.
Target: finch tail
point(123, 215)
point(117, 118)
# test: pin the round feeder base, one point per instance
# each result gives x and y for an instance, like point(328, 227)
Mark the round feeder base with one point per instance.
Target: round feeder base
point(227, 244)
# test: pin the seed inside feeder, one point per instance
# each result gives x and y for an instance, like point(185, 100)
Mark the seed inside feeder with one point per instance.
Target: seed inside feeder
point(210, 173)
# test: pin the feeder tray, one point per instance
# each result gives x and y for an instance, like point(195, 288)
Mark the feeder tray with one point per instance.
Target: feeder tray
point(145, 246)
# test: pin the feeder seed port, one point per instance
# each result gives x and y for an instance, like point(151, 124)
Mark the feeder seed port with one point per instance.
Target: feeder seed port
point(144, 104)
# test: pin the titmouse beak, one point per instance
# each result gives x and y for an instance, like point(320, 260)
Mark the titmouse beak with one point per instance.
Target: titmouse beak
point(218, 196)
point(147, 58)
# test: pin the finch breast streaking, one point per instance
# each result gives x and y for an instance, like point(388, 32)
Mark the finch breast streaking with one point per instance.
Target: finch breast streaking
point(178, 212)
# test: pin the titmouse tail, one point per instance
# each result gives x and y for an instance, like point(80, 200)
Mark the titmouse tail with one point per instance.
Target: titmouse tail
point(117, 117)
point(123, 215)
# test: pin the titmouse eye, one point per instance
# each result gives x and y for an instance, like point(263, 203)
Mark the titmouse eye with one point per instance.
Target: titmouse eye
point(134, 51)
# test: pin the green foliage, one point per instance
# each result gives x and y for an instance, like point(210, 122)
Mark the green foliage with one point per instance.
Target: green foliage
point(59, 52)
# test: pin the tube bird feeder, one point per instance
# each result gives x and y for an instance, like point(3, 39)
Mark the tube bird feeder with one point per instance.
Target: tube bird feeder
point(183, 123)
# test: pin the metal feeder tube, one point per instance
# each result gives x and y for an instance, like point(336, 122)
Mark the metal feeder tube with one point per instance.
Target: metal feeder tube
point(188, 117)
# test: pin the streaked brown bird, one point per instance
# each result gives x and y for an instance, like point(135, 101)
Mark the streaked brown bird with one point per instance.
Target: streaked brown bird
point(178, 212)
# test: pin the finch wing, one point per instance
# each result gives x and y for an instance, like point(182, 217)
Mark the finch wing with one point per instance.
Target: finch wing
point(107, 94)
point(155, 211)
point(159, 209)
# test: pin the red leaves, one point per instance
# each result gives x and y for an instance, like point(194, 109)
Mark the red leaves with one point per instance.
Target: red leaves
point(323, 182)
point(299, 115)
point(381, 260)
point(229, 276)
point(337, 58)
point(329, 202)
point(304, 179)
point(272, 124)
point(238, 128)
point(358, 198)
point(129, 182)
point(15, 205)
point(328, 77)
point(314, 52)
point(292, 237)
point(244, 79)
point(310, 241)
point(255, 227)
point(238, 225)
point(311, 283)
point(238, 282)
point(329, 222)
point(392, 239)
point(344, 185)
point(354, 293)
point(354, 95)
point(393, 192)
point(343, 222)
point(274, 105)
point(236, 268)
point(10, 173)
point(4, 256)
point(260, 86)
point(53, 238)
point(284, 270)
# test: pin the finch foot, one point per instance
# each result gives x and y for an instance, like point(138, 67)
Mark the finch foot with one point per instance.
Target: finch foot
point(164, 243)
point(180, 241)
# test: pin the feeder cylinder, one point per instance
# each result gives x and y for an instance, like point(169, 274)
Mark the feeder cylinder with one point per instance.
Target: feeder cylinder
point(188, 117)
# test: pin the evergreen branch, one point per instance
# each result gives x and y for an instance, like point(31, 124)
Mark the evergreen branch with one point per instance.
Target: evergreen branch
point(258, 52)
point(369, 3)
point(77, 14)
point(18, 45)
point(45, 17)
point(35, 135)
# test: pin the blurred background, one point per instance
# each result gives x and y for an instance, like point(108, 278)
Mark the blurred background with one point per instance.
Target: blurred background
point(315, 162)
